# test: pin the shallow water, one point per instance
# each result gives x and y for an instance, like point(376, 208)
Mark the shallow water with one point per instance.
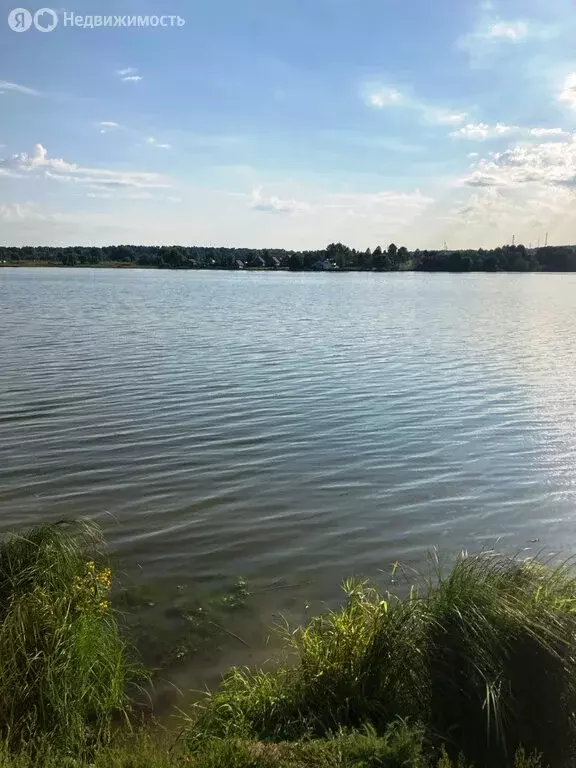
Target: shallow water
point(292, 429)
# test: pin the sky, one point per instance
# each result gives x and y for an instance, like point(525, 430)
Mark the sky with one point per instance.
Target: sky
point(291, 124)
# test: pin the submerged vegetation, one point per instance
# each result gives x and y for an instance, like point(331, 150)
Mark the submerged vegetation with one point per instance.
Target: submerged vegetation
point(336, 256)
point(475, 667)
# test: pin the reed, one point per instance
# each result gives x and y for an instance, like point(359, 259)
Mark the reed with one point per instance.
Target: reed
point(475, 667)
point(64, 668)
point(483, 657)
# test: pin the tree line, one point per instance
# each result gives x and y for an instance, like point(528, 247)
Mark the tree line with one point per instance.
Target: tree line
point(336, 256)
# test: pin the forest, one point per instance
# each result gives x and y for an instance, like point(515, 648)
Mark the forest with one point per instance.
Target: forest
point(335, 257)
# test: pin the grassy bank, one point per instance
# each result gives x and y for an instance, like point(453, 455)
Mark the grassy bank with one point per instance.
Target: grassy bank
point(476, 667)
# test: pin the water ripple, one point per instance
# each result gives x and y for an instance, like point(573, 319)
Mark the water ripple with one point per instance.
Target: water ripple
point(281, 426)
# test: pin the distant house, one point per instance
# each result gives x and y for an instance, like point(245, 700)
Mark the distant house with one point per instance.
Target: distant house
point(258, 262)
point(275, 262)
point(238, 264)
point(324, 266)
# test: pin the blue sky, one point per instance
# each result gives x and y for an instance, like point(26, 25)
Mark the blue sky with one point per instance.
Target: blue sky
point(292, 123)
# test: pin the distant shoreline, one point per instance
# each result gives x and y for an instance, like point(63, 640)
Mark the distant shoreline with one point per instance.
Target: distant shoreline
point(336, 257)
point(149, 268)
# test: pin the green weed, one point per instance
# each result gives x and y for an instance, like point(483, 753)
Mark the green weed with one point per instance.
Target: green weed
point(64, 668)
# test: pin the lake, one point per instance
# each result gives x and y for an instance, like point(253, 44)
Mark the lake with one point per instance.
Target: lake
point(292, 429)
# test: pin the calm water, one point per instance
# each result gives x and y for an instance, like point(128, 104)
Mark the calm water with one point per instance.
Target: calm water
point(291, 429)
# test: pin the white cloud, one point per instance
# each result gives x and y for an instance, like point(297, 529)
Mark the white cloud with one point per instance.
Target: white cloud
point(483, 131)
point(529, 215)
point(381, 96)
point(6, 86)
point(129, 75)
point(527, 189)
point(547, 132)
point(22, 161)
point(108, 125)
point(549, 164)
point(38, 162)
point(472, 155)
point(273, 204)
point(509, 30)
point(7, 172)
point(568, 93)
point(447, 118)
point(152, 141)
point(493, 38)
point(483, 179)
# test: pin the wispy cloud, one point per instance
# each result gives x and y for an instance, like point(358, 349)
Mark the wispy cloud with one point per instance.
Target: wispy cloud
point(547, 164)
point(568, 93)
point(6, 86)
point(447, 118)
point(153, 143)
point(38, 162)
point(14, 213)
point(129, 75)
point(513, 31)
point(483, 131)
point(381, 96)
point(540, 132)
point(492, 37)
point(272, 204)
point(108, 125)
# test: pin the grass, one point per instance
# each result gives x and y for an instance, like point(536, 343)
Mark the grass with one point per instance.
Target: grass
point(475, 667)
point(400, 747)
point(64, 668)
point(483, 657)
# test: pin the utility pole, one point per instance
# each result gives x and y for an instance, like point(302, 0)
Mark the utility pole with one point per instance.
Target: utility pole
point(546, 243)
point(513, 239)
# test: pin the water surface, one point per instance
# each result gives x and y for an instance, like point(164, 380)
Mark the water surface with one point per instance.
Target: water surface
point(292, 429)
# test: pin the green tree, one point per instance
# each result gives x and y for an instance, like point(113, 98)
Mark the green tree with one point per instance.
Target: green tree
point(295, 262)
point(339, 254)
point(378, 259)
point(393, 256)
